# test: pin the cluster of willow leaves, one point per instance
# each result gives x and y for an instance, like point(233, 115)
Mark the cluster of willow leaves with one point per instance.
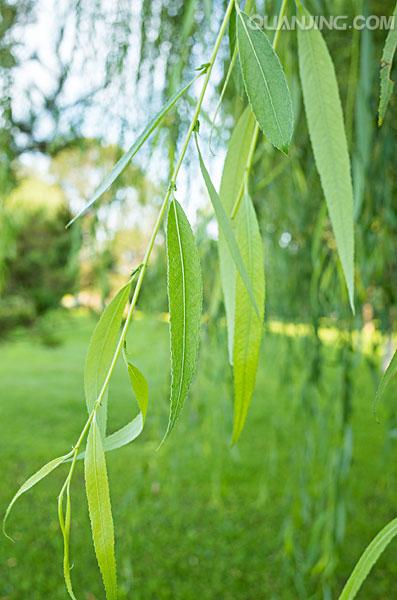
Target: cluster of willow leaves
point(268, 111)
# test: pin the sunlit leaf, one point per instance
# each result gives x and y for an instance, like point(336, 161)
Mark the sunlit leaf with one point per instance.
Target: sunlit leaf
point(265, 83)
point(367, 561)
point(98, 497)
point(226, 226)
point(131, 152)
point(230, 190)
point(248, 327)
point(386, 83)
point(328, 138)
point(185, 296)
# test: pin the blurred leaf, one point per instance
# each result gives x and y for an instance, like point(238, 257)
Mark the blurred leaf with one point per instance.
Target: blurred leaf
point(328, 137)
point(185, 295)
point(230, 190)
point(225, 225)
point(367, 561)
point(248, 326)
point(97, 489)
point(128, 156)
point(386, 84)
point(265, 83)
point(386, 379)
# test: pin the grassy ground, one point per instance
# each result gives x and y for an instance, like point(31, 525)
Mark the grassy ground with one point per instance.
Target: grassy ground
point(198, 519)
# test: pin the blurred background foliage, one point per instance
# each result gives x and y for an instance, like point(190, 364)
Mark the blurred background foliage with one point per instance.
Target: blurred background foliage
point(79, 80)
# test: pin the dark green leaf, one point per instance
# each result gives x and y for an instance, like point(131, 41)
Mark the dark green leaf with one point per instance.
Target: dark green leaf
point(185, 295)
point(265, 83)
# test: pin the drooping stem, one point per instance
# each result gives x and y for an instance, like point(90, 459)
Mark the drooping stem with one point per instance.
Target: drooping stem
point(149, 248)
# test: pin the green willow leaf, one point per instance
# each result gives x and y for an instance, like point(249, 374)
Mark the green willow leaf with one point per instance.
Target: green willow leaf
point(29, 483)
point(248, 327)
point(100, 510)
point(386, 83)
point(367, 561)
point(265, 83)
point(328, 137)
point(388, 375)
point(132, 151)
point(185, 296)
point(100, 353)
point(230, 190)
point(225, 224)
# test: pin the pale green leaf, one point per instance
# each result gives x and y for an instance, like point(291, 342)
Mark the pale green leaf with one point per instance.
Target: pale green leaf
point(225, 224)
point(100, 353)
point(367, 561)
point(328, 137)
point(29, 483)
point(386, 83)
point(230, 190)
point(388, 375)
point(265, 83)
point(131, 152)
point(98, 497)
point(248, 327)
point(185, 296)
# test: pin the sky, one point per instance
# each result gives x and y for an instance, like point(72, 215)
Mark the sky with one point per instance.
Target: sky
point(85, 49)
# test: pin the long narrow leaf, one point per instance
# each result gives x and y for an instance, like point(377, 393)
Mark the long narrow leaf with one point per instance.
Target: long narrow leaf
point(367, 561)
point(29, 483)
point(226, 226)
point(98, 497)
point(386, 84)
point(101, 351)
point(328, 138)
point(230, 189)
point(185, 295)
point(131, 152)
point(248, 326)
point(265, 83)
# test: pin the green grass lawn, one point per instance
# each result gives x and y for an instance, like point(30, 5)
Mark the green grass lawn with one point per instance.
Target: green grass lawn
point(198, 519)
